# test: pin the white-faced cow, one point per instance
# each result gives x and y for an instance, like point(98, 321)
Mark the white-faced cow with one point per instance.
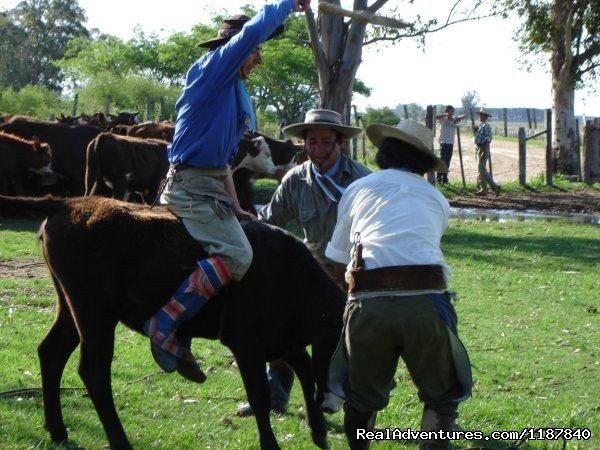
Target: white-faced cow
point(112, 261)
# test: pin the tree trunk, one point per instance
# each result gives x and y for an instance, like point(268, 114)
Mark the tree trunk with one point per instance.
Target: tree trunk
point(564, 136)
point(342, 48)
point(564, 142)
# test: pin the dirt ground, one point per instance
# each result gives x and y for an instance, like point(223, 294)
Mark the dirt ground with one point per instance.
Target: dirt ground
point(505, 167)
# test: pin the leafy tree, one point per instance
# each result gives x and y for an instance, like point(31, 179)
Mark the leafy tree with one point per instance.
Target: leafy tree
point(568, 32)
point(286, 81)
point(383, 115)
point(33, 35)
point(36, 101)
point(470, 99)
point(415, 111)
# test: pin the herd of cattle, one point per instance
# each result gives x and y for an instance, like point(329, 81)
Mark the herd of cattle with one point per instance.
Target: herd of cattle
point(115, 157)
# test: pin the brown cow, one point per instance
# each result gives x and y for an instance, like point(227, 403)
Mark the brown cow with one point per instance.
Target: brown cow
point(155, 130)
point(19, 156)
point(126, 164)
point(112, 261)
point(68, 143)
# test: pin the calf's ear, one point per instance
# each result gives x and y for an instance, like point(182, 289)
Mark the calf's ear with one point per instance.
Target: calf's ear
point(37, 144)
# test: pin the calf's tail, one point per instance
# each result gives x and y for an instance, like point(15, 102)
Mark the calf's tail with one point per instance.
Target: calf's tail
point(92, 166)
point(45, 205)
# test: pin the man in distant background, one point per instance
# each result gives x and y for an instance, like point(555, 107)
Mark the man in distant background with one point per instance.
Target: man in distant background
point(483, 138)
point(448, 123)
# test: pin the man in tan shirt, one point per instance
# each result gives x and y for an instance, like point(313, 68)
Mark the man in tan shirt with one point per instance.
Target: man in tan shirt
point(309, 195)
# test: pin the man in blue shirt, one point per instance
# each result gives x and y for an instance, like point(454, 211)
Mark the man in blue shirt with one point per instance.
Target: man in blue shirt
point(213, 112)
point(483, 138)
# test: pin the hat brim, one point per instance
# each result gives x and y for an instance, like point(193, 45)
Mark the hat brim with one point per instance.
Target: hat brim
point(378, 132)
point(212, 44)
point(484, 114)
point(297, 130)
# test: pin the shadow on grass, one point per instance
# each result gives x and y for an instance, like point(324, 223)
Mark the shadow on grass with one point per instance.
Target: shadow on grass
point(459, 244)
point(12, 224)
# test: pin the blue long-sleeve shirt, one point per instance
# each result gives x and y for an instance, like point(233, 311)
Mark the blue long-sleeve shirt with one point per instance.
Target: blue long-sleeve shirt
point(213, 111)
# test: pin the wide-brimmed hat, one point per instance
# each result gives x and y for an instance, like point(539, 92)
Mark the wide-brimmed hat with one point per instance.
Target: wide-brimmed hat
point(417, 135)
point(321, 119)
point(483, 112)
point(229, 28)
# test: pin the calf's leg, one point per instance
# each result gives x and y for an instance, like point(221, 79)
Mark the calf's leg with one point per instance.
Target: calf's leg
point(301, 364)
point(252, 369)
point(54, 352)
point(97, 348)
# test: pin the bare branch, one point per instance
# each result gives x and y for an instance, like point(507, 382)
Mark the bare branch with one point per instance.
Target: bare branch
point(317, 51)
point(376, 6)
point(363, 16)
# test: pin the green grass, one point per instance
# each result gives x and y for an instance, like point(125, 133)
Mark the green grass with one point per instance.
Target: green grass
point(527, 314)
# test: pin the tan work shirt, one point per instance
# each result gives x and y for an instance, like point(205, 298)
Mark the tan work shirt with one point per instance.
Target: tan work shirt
point(299, 197)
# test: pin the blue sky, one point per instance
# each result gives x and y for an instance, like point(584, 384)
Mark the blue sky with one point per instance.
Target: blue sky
point(480, 56)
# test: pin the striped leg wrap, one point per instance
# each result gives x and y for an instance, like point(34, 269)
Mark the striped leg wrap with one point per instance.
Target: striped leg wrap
point(188, 299)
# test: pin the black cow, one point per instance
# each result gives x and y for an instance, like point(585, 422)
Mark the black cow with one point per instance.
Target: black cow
point(126, 164)
point(112, 261)
point(68, 144)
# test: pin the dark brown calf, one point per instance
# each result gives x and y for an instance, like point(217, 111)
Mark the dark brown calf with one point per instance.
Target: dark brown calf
point(18, 157)
point(112, 261)
point(153, 130)
point(68, 144)
point(126, 164)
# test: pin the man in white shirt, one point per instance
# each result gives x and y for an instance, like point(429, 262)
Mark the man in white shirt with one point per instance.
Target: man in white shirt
point(387, 237)
point(448, 124)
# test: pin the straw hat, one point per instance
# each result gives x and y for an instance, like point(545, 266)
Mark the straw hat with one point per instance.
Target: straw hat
point(319, 119)
point(229, 28)
point(418, 136)
point(483, 112)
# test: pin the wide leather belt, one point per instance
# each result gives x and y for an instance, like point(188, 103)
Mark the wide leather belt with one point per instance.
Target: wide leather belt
point(398, 278)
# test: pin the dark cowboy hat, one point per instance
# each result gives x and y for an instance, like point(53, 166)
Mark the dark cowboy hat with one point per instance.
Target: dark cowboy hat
point(319, 119)
point(417, 135)
point(229, 28)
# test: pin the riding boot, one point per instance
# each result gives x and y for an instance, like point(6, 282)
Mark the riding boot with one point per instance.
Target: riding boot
point(358, 420)
point(170, 352)
point(437, 418)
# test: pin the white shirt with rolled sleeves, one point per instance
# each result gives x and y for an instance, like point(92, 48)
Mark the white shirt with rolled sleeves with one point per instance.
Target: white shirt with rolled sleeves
point(400, 217)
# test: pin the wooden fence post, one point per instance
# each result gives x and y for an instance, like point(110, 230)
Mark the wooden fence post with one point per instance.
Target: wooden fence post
point(578, 134)
point(282, 125)
point(405, 111)
point(430, 123)
point(591, 152)
point(549, 147)
point(107, 102)
point(355, 138)
point(535, 118)
point(528, 117)
point(74, 109)
point(462, 169)
point(472, 118)
point(522, 156)
point(505, 122)
point(161, 109)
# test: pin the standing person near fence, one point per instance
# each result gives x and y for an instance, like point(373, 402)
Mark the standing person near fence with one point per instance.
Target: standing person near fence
point(483, 138)
point(448, 123)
